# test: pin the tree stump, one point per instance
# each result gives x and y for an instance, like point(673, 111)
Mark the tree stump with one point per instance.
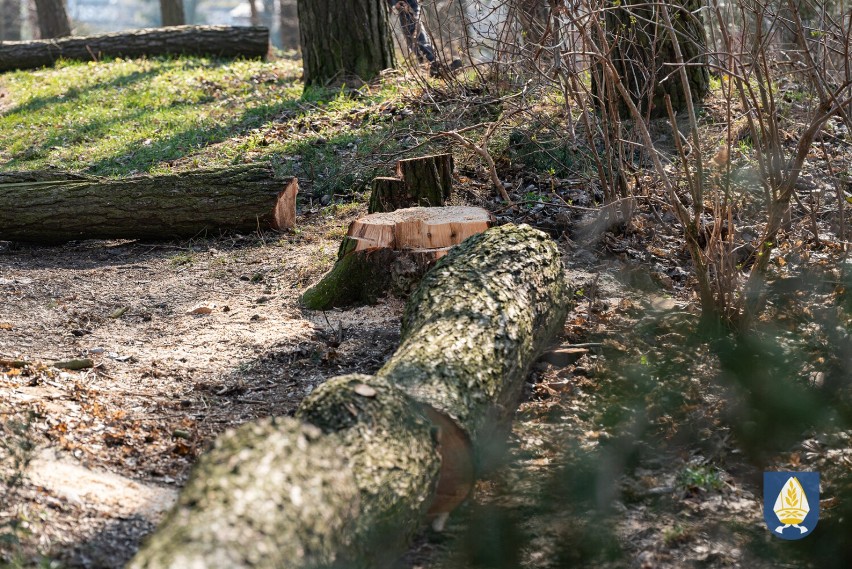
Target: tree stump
point(392, 251)
point(424, 181)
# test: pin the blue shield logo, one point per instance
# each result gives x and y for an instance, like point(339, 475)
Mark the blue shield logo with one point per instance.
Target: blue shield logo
point(791, 503)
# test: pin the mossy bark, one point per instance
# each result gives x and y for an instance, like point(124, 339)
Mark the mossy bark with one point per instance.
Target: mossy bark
point(344, 485)
point(348, 487)
point(425, 181)
point(211, 41)
point(362, 277)
point(51, 207)
point(474, 326)
point(344, 42)
point(644, 56)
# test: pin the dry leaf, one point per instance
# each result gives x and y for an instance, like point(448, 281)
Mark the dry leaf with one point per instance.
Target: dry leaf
point(201, 310)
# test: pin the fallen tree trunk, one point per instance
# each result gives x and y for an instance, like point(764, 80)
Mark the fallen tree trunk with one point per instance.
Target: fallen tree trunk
point(349, 490)
point(392, 251)
point(214, 41)
point(48, 207)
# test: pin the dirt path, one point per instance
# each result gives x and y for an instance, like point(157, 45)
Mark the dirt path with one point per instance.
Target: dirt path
point(186, 339)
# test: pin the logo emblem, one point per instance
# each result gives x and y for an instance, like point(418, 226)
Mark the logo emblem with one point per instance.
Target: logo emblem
point(791, 503)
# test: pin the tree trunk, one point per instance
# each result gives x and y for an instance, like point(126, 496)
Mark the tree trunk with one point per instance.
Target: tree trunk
point(52, 19)
point(289, 25)
point(10, 20)
point(425, 181)
point(643, 54)
point(344, 42)
point(49, 207)
point(254, 17)
point(392, 251)
point(349, 487)
point(215, 41)
point(171, 13)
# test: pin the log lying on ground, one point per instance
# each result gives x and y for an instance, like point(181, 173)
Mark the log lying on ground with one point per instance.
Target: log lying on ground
point(349, 491)
point(424, 181)
point(345, 493)
point(392, 251)
point(214, 41)
point(48, 207)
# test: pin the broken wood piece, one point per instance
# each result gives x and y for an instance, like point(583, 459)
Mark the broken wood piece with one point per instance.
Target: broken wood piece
point(348, 481)
point(424, 181)
point(285, 207)
point(562, 357)
point(610, 215)
point(392, 251)
point(74, 365)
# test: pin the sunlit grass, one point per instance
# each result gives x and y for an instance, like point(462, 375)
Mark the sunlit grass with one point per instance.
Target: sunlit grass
point(119, 118)
point(116, 117)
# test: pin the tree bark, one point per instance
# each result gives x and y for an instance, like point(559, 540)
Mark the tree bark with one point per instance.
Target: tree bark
point(349, 486)
point(424, 181)
point(289, 25)
point(10, 20)
point(171, 13)
point(391, 252)
point(52, 19)
point(56, 207)
point(344, 42)
point(253, 15)
point(643, 54)
point(215, 41)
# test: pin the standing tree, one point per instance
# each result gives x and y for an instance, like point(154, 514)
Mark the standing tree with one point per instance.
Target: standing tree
point(52, 19)
point(10, 20)
point(289, 25)
point(645, 56)
point(344, 42)
point(171, 12)
point(254, 18)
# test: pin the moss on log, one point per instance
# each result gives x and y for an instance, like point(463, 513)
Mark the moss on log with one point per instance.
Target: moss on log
point(349, 486)
point(344, 486)
point(215, 41)
point(476, 324)
point(50, 207)
point(362, 277)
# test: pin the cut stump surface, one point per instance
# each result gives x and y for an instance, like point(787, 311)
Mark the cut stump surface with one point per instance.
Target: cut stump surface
point(392, 251)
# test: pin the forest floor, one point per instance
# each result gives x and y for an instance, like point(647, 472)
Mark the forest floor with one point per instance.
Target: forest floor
point(642, 446)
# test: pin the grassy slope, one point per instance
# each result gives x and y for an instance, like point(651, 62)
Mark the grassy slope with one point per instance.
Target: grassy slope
point(125, 117)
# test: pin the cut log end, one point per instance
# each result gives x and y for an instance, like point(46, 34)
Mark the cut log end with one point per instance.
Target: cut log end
point(284, 216)
point(457, 475)
point(419, 227)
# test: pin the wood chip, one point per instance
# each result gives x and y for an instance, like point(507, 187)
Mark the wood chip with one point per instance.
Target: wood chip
point(365, 390)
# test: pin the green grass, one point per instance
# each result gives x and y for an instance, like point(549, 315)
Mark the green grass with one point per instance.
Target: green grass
point(124, 117)
point(118, 118)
